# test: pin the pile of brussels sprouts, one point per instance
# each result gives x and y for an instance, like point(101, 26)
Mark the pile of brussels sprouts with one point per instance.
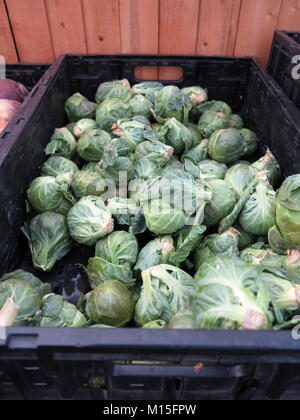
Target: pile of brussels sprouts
point(189, 229)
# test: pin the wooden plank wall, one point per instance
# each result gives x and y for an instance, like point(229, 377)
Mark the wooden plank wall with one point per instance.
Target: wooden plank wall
point(41, 30)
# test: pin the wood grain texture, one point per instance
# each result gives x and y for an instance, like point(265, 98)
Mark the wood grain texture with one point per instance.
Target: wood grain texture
point(258, 20)
point(139, 31)
point(102, 26)
point(7, 46)
point(177, 31)
point(218, 25)
point(31, 31)
point(289, 16)
point(66, 25)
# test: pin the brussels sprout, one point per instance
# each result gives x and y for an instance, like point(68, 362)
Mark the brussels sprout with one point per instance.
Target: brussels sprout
point(155, 152)
point(141, 106)
point(57, 312)
point(215, 106)
point(270, 164)
point(157, 324)
point(235, 121)
point(83, 125)
point(91, 144)
point(110, 111)
point(70, 127)
point(165, 291)
point(258, 214)
point(100, 270)
point(171, 103)
point(116, 89)
point(207, 170)
point(145, 169)
point(183, 320)
point(177, 135)
point(127, 212)
point(226, 145)
point(58, 165)
point(222, 202)
point(78, 107)
point(245, 239)
point(62, 143)
point(196, 94)
point(118, 248)
point(50, 194)
point(40, 287)
point(133, 131)
point(276, 241)
point(239, 177)
point(24, 295)
point(288, 211)
point(157, 129)
point(90, 220)
point(88, 183)
point(91, 167)
point(156, 252)
point(251, 141)
point(197, 154)
point(196, 135)
point(211, 122)
point(163, 218)
point(227, 295)
point(49, 239)
point(147, 89)
point(110, 304)
point(293, 266)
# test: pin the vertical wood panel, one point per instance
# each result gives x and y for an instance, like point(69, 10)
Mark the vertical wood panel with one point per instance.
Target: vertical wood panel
point(31, 30)
point(102, 26)
point(177, 30)
point(139, 30)
point(289, 17)
point(7, 46)
point(66, 25)
point(258, 20)
point(218, 25)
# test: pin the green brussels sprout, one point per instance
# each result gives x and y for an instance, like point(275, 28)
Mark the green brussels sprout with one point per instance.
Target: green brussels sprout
point(116, 89)
point(235, 121)
point(78, 107)
point(90, 220)
point(155, 152)
point(50, 194)
point(251, 141)
point(222, 202)
point(288, 211)
point(119, 248)
point(177, 135)
point(58, 165)
point(145, 169)
point(141, 106)
point(183, 320)
point(154, 253)
point(133, 132)
point(212, 121)
point(90, 146)
point(100, 270)
point(207, 170)
point(157, 324)
point(215, 106)
point(239, 177)
point(42, 288)
point(83, 125)
point(62, 143)
point(196, 94)
point(70, 127)
point(170, 102)
point(245, 239)
point(48, 238)
point(24, 295)
point(147, 89)
point(91, 167)
point(156, 127)
point(110, 111)
point(258, 214)
point(226, 243)
point(276, 241)
point(270, 164)
point(57, 312)
point(196, 135)
point(227, 295)
point(226, 146)
point(127, 212)
point(165, 291)
point(110, 304)
point(86, 183)
point(198, 153)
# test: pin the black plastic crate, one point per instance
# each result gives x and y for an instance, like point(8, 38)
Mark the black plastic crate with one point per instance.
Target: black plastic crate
point(27, 74)
point(106, 364)
point(286, 46)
